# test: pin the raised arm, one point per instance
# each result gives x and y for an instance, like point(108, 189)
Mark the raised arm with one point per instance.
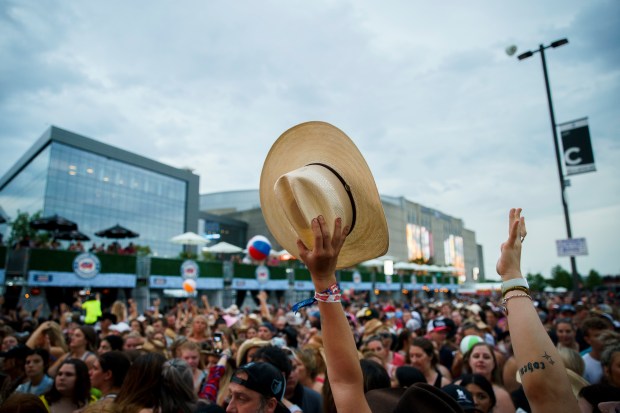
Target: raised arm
point(543, 375)
point(343, 367)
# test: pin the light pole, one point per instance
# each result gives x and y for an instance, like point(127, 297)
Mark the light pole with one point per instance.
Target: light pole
point(522, 56)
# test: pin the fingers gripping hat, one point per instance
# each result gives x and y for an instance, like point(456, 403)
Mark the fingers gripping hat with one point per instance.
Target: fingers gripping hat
point(315, 169)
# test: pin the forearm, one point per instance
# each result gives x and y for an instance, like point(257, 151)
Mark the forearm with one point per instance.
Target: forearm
point(542, 373)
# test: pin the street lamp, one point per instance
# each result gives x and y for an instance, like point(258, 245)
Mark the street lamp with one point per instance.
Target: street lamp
point(522, 56)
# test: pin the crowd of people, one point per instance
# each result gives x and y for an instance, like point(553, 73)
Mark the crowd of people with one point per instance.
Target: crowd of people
point(182, 359)
point(333, 352)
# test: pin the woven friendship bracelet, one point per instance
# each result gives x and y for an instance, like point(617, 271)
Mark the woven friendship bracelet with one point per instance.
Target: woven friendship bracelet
point(329, 295)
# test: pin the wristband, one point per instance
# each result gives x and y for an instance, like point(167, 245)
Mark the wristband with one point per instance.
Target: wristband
point(330, 295)
point(515, 282)
point(515, 288)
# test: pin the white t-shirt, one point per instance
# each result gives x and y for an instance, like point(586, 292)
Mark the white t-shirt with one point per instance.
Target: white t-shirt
point(594, 370)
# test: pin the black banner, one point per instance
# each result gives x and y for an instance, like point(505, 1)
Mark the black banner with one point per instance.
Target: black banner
point(578, 155)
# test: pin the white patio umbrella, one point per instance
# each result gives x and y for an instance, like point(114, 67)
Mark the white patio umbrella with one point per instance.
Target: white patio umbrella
point(223, 248)
point(189, 238)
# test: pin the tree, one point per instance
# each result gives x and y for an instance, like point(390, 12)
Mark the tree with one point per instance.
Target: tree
point(593, 280)
point(536, 282)
point(561, 278)
point(20, 227)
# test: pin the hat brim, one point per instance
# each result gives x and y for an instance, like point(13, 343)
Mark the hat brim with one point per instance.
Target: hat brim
point(320, 142)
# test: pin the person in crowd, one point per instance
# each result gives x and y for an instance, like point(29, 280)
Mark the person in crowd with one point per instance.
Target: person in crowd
point(177, 389)
point(190, 353)
point(375, 345)
point(8, 342)
point(246, 351)
point(132, 341)
point(266, 331)
point(406, 376)
point(480, 359)
point(566, 332)
point(13, 368)
point(108, 374)
point(305, 362)
point(107, 320)
point(37, 363)
point(142, 385)
point(200, 330)
point(81, 346)
point(257, 387)
point(572, 360)
point(71, 389)
point(375, 375)
point(48, 336)
point(481, 390)
point(592, 329)
point(23, 403)
point(422, 355)
point(610, 361)
point(110, 343)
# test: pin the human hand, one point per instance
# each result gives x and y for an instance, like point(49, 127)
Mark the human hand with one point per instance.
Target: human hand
point(321, 261)
point(509, 263)
point(262, 296)
point(156, 302)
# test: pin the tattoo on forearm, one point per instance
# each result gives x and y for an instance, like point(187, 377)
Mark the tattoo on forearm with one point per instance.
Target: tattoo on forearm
point(548, 358)
point(536, 365)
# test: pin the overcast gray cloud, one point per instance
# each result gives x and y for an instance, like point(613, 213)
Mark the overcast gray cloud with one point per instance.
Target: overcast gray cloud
point(442, 114)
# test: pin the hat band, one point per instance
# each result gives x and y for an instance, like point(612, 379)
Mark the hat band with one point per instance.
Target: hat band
point(347, 189)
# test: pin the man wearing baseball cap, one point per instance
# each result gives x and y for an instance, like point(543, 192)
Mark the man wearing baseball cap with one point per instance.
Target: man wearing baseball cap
point(257, 387)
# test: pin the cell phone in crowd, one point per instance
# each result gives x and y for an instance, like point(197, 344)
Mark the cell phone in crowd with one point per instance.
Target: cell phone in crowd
point(217, 341)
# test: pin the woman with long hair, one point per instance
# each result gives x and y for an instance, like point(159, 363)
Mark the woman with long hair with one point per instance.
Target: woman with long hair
point(199, 332)
point(177, 389)
point(480, 359)
point(190, 353)
point(481, 390)
point(71, 389)
point(142, 385)
point(82, 346)
point(422, 356)
point(49, 337)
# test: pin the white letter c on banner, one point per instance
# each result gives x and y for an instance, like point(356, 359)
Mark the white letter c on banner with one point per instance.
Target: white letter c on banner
point(572, 161)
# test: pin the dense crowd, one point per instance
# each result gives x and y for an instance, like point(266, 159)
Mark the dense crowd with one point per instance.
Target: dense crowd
point(464, 340)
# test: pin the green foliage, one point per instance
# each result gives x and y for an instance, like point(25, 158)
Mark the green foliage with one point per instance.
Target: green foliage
point(536, 282)
point(593, 280)
point(207, 256)
point(561, 278)
point(187, 255)
point(20, 227)
point(143, 250)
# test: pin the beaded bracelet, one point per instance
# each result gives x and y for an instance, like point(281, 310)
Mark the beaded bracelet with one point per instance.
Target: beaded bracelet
point(516, 287)
point(505, 300)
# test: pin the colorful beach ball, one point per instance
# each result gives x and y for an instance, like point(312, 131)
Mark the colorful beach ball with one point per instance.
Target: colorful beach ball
point(189, 285)
point(259, 248)
point(468, 342)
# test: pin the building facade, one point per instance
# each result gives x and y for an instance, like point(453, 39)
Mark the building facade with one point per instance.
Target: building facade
point(98, 186)
point(417, 233)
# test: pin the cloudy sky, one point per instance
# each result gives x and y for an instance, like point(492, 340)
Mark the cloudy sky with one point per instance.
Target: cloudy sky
point(444, 117)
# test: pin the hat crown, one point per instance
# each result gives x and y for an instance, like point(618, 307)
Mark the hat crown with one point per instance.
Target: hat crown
point(310, 191)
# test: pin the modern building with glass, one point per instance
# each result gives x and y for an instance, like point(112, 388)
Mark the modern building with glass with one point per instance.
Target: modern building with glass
point(98, 186)
point(417, 233)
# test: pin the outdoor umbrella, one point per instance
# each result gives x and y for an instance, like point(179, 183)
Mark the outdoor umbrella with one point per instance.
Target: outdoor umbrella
point(223, 248)
point(189, 238)
point(74, 235)
point(53, 223)
point(117, 232)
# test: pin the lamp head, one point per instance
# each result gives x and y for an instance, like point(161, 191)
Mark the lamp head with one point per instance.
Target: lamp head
point(525, 55)
point(559, 43)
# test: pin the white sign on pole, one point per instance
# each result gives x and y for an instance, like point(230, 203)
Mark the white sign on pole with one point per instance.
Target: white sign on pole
point(571, 247)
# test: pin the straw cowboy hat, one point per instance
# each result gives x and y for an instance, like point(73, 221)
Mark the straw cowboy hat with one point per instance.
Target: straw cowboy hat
point(315, 169)
point(419, 398)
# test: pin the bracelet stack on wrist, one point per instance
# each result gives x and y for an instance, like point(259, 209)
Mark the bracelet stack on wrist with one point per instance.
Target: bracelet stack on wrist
point(519, 284)
point(329, 295)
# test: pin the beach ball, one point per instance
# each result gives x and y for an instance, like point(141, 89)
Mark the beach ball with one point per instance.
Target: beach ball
point(259, 248)
point(468, 342)
point(189, 285)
